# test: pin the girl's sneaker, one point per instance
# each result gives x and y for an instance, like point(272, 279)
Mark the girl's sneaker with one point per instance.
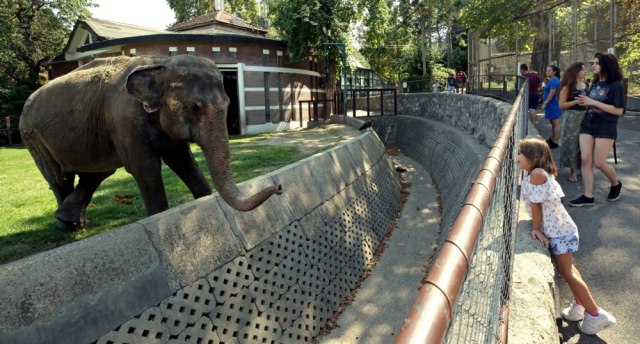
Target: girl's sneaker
point(575, 312)
point(592, 325)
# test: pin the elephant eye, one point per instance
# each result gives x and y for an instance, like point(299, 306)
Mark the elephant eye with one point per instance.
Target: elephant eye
point(195, 107)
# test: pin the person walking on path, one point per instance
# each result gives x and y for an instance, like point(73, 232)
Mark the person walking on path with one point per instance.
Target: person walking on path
point(598, 129)
point(555, 229)
point(451, 84)
point(534, 96)
point(550, 104)
point(572, 86)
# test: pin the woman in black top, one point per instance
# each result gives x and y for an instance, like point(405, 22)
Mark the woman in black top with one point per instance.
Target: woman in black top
point(598, 130)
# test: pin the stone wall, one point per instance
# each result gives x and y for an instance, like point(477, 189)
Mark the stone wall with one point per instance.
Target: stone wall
point(204, 272)
point(633, 104)
point(452, 154)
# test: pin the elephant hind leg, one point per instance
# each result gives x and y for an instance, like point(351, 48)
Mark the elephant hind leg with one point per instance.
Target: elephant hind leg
point(71, 213)
point(61, 183)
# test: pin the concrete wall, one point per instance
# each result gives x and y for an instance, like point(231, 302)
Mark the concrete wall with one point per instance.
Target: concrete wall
point(203, 271)
point(453, 154)
point(633, 104)
point(450, 135)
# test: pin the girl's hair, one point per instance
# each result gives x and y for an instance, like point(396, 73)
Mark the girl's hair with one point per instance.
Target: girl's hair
point(536, 150)
point(609, 67)
point(556, 70)
point(570, 78)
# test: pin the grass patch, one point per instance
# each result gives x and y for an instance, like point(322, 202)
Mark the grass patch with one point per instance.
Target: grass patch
point(27, 204)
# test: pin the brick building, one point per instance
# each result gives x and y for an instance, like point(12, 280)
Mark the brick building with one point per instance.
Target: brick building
point(264, 86)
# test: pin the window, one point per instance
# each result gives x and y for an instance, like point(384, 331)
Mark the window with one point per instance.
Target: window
point(173, 51)
point(191, 50)
point(267, 98)
point(265, 57)
point(233, 53)
point(132, 52)
point(279, 58)
point(215, 52)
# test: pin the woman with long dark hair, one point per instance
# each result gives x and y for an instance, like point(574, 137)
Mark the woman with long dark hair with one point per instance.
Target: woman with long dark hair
point(550, 104)
point(572, 86)
point(598, 130)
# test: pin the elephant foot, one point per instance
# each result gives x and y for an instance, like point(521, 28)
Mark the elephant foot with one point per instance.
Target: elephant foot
point(67, 226)
point(68, 223)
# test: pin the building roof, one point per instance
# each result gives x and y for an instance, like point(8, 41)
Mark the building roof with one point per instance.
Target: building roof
point(106, 29)
point(218, 17)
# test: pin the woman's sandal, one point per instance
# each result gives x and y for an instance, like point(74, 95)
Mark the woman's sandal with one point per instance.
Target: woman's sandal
point(573, 178)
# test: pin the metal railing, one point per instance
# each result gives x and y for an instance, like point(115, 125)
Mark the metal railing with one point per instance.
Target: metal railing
point(371, 100)
point(466, 295)
point(313, 109)
point(9, 132)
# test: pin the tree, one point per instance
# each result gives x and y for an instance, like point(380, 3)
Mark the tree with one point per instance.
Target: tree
point(628, 28)
point(189, 9)
point(32, 32)
point(248, 10)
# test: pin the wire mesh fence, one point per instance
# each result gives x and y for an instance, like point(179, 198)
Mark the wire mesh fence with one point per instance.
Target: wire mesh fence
point(479, 313)
point(575, 34)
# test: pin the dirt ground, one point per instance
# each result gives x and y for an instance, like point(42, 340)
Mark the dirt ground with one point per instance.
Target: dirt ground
point(311, 140)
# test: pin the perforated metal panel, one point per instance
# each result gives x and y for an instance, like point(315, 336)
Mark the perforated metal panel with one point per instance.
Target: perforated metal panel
point(188, 306)
point(201, 332)
point(285, 289)
point(150, 328)
point(229, 278)
point(232, 316)
point(317, 314)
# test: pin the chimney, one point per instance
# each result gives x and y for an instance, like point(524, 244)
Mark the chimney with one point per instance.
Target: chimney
point(217, 6)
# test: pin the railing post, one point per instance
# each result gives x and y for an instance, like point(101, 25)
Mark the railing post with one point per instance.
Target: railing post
point(381, 102)
point(353, 96)
point(504, 86)
point(368, 96)
point(8, 121)
point(395, 102)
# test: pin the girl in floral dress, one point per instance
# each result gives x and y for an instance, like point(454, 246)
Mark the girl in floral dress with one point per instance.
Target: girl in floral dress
point(555, 229)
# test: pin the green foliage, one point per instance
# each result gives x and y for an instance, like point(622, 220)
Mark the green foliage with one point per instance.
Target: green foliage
point(189, 9)
point(307, 24)
point(32, 32)
point(628, 29)
point(248, 10)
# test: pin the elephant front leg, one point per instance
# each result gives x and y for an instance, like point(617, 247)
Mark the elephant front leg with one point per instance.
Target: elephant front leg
point(148, 176)
point(180, 159)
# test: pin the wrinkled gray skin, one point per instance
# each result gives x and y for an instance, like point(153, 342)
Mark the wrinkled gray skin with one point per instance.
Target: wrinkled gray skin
point(132, 112)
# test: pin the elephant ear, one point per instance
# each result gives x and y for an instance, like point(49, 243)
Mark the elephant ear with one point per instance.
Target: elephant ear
point(147, 83)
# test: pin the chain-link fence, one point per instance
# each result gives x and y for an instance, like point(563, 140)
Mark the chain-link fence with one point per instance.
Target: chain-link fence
point(576, 30)
point(479, 313)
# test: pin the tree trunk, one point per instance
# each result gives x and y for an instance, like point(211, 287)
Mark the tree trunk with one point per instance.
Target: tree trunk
point(540, 55)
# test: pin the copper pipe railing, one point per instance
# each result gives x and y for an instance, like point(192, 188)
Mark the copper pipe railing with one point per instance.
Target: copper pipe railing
point(431, 313)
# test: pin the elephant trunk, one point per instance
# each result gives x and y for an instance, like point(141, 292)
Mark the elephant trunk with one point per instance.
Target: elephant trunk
point(219, 162)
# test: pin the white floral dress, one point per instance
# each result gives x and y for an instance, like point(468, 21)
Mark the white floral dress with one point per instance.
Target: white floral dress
point(557, 225)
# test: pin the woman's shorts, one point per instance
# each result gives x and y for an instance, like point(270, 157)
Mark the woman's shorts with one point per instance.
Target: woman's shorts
point(600, 126)
point(534, 99)
point(564, 244)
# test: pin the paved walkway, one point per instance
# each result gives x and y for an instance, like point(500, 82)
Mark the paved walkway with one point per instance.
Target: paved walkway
point(609, 253)
point(386, 296)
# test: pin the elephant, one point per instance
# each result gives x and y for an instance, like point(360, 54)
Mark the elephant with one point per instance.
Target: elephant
point(134, 112)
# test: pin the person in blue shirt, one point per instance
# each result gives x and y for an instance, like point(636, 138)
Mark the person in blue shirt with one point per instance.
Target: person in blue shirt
point(550, 104)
